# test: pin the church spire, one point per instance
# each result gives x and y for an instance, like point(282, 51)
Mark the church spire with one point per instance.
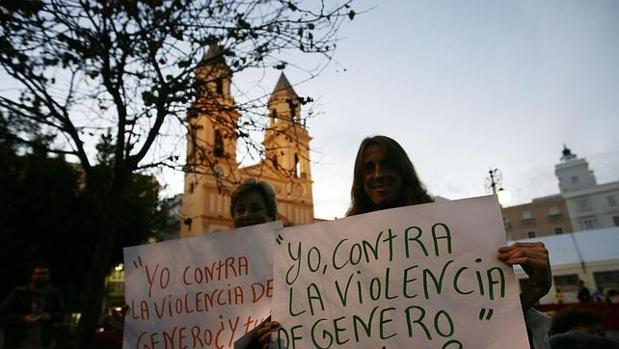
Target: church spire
point(284, 102)
point(214, 75)
point(283, 85)
point(214, 55)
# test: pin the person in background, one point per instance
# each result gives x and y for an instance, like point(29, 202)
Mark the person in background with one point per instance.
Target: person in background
point(583, 292)
point(30, 312)
point(598, 294)
point(612, 297)
point(384, 177)
point(575, 328)
point(558, 296)
point(253, 202)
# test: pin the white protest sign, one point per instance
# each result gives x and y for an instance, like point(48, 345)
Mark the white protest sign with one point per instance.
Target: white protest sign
point(199, 292)
point(423, 276)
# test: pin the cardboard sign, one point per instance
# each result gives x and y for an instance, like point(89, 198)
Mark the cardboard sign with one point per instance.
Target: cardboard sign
point(199, 292)
point(423, 276)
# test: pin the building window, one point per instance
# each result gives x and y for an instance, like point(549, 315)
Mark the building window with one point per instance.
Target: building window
point(554, 213)
point(588, 223)
point(275, 163)
point(219, 144)
point(507, 223)
point(527, 217)
point(612, 202)
point(616, 221)
point(187, 222)
point(558, 230)
point(567, 282)
point(583, 204)
point(219, 86)
point(574, 179)
point(607, 279)
point(293, 109)
point(273, 116)
point(531, 234)
point(297, 166)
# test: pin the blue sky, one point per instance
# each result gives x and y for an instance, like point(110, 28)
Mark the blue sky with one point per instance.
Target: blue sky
point(465, 85)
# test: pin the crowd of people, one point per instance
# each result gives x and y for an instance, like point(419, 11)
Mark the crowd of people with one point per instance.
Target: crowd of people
point(578, 328)
point(383, 177)
point(599, 295)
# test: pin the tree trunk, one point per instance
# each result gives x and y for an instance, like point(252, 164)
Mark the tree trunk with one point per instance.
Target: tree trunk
point(95, 287)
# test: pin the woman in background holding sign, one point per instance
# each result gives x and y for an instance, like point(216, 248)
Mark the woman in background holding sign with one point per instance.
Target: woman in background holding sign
point(384, 177)
point(253, 202)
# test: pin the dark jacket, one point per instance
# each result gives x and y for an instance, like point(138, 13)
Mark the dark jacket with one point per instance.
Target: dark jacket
point(25, 300)
point(581, 340)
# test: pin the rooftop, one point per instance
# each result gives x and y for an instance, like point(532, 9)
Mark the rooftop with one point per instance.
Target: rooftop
point(598, 245)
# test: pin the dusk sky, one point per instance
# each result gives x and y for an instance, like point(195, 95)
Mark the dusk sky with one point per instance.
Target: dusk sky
point(463, 86)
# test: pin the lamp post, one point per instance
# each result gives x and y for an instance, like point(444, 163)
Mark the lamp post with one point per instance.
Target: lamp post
point(493, 185)
point(493, 180)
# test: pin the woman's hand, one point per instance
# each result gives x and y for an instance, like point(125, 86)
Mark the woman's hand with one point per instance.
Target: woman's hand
point(533, 258)
point(263, 334)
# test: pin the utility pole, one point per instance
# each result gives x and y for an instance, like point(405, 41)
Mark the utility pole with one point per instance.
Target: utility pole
point(493, 181)
point(494, 185)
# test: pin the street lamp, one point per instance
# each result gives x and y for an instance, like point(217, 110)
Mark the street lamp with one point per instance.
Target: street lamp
point(493, 185)
point(505, 197)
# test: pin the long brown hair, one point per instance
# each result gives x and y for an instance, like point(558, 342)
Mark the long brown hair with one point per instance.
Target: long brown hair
point(413, 191)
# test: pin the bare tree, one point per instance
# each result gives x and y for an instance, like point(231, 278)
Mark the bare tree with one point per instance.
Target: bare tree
point(82, 69)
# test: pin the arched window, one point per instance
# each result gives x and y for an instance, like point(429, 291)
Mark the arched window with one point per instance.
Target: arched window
point(273, 116)
point(219, 86)
point(297, 166)
point(293, 109)
point(219, 144)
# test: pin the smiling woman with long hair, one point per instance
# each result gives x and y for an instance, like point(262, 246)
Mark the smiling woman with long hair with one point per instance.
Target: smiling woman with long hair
point(410, 192)
point(384, 177)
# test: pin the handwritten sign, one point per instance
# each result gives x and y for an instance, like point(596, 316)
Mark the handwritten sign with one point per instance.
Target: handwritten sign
point(200, 292)
point(422, 276)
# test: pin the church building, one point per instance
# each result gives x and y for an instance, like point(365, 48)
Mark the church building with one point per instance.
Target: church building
point(212, 168)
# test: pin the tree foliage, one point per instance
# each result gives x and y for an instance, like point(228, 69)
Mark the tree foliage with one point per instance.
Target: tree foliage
point(44, 216)
point(86, 66)
point(123, 70)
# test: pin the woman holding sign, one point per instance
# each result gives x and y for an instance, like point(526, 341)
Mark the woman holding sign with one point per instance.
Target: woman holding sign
point(384, 177)
point(253, 202)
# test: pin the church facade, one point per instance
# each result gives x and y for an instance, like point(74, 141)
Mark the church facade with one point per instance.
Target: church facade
point(213, 171)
